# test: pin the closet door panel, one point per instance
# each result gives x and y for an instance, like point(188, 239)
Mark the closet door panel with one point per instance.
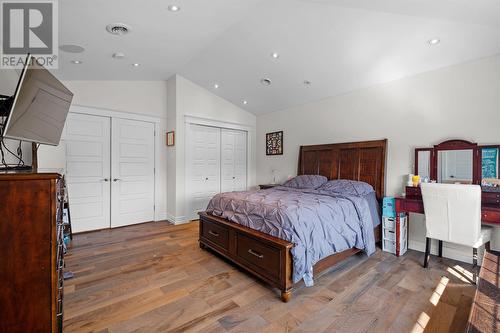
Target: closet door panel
point(87, 143)
point(240, 161)
point(233, 160)
point(202, 167)
point(227, 160)
point(132, 175)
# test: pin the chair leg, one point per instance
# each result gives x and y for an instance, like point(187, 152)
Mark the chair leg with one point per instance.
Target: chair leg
point(474, 257)
point(440, 248)
point(427, 251)
point(474, 265)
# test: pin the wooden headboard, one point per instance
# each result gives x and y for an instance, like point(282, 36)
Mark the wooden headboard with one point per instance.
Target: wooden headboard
point(363, 161)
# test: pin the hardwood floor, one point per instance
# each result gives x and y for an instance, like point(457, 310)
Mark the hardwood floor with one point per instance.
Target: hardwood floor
point(154, 278)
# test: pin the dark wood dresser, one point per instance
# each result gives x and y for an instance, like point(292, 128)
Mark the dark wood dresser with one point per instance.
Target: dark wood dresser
point(31, 252)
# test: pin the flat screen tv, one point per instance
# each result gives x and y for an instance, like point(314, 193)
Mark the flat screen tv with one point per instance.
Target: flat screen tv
point(39, 107)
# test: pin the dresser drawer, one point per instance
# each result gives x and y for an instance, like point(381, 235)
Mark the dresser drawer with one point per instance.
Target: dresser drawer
point(490, 215)
point(216, 233)
point(490, 198)
point(263, 258)
point(413, 192)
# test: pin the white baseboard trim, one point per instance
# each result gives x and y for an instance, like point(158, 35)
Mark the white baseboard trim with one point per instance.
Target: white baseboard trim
point(177, 219)
point(161, 216)
point(464, 255)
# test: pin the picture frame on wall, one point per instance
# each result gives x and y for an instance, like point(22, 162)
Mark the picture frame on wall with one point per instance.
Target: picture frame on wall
point(170, 138)
point(274, 143)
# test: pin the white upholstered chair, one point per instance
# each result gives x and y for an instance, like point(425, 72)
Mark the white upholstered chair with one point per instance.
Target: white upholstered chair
point(453, 214)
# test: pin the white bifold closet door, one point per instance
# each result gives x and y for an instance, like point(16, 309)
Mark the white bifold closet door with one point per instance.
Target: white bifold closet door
point(132, 171)
point(203, 167)
point(110, 171)
point(233, 160)
point(88, 159)
point(216, 161)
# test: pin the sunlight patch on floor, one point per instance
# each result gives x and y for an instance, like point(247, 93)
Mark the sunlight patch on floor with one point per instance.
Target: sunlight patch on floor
point(461, 273)
point(436, 295)
point(422, 321)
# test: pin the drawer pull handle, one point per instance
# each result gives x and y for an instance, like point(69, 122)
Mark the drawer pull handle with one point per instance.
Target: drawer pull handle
point(258, 255)
point(213, 233)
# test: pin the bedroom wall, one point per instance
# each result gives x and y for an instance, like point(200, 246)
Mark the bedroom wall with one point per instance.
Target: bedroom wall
point(461, 101)
point(8, 82)
point(135, 97)
point(187, 99)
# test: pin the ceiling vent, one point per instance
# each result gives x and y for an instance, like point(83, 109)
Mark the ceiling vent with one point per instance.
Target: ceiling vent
point(265, 82)
point(119, 29)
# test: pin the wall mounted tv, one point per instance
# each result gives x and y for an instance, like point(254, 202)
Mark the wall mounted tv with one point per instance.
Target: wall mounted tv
point(37, 111)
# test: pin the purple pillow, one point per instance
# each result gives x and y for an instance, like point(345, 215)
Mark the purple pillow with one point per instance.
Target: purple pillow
point(306, 182)
point(345, 186)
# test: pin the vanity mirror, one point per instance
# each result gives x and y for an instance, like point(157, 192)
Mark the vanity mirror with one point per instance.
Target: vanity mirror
point(454, 163)
point(460, 162)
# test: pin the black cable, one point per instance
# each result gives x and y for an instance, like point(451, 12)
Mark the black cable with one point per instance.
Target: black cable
point(19, 154)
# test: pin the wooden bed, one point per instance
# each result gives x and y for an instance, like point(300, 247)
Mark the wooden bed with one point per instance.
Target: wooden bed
point(268, 257)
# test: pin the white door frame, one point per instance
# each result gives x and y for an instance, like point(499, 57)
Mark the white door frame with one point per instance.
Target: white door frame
point(95, 111)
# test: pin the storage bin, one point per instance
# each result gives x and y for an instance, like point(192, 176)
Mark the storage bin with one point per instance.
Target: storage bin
point(390, 228)
point(389, 246)
point(389, 207)
point(389, 222)
point(389, 235)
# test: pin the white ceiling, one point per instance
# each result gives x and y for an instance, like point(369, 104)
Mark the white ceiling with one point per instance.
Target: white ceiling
point(338, 45)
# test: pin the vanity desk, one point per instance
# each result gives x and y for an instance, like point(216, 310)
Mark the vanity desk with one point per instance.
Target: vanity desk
point(413, 203)
point(457, 161)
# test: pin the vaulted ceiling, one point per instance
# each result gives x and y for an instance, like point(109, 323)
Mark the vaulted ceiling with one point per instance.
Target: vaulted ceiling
point(336, 45)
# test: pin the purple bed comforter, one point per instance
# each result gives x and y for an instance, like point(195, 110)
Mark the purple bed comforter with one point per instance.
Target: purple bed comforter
point(319, 222)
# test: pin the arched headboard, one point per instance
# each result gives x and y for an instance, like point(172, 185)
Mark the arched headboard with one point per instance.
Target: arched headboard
point(364, 161)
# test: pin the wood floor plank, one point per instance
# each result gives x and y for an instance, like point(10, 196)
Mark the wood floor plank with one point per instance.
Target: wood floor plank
point(154, 277)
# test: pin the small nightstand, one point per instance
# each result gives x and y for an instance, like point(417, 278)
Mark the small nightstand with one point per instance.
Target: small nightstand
point(266, 186)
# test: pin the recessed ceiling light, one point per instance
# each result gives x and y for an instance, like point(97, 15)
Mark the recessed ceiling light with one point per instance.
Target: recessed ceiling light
point(71, 48)
point(118, 55)
point(119, 29)
point(275, 55)
point(174, 8)
point(76, 62)
point(136, 64)
point(216, 86)
point(265, 81)
point(307, 83)
point(434, 41)
point(245, 102)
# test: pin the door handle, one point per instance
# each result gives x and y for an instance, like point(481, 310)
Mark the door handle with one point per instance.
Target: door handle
point(105, 180)
point(116, 179)
point(206, 178)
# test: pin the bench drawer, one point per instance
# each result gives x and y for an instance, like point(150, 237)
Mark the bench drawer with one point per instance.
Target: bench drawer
point(264, 258)
point(216, 233)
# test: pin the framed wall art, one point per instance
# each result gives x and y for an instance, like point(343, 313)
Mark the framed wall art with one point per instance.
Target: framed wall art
point(274, 143)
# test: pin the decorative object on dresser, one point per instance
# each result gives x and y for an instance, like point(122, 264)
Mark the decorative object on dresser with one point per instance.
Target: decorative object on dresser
point(266, 186)
point(31, 252)
point(269, 258)
point(274, 143)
